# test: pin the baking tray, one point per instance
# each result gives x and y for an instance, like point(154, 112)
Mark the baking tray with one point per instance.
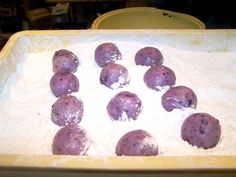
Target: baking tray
point(21, 43)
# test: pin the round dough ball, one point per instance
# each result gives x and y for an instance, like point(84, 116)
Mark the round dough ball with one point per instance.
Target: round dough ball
point(137, 143)
point(179, 97)
point(201, 130)
point(158, 77)
point(114, 76)
point(71, 140)
point(107, 53)
point(125, 105)
point(149, 56)
point(64, 61)
point(67, 110)
point(64, 84)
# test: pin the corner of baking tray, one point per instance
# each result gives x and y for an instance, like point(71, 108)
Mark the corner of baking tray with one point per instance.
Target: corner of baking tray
point(12, 40)
point(10, 43)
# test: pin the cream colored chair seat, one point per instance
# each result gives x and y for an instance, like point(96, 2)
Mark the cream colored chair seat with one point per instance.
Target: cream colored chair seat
point(39, 18)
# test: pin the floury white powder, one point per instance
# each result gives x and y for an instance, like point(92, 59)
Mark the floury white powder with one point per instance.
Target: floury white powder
point(26, 100)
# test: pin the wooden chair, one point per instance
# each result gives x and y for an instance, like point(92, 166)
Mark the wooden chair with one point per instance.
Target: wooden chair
point(37, 14)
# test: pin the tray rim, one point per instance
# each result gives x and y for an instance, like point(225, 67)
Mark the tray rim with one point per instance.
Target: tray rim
point(14, 37)
point(152, 163)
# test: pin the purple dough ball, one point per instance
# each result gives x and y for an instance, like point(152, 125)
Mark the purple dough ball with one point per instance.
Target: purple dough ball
point(107, 53)
point(67, 110)
point(137, 143)
point(114, 76)
point(71, 140)
point(125, 105)
point(64, 61)
point(178, 98)
point(149, 56)
point(201, 130)
point(158, 77)
point(64, 84)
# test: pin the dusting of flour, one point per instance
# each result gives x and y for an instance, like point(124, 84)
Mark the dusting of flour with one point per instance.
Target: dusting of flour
point(26, 100)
